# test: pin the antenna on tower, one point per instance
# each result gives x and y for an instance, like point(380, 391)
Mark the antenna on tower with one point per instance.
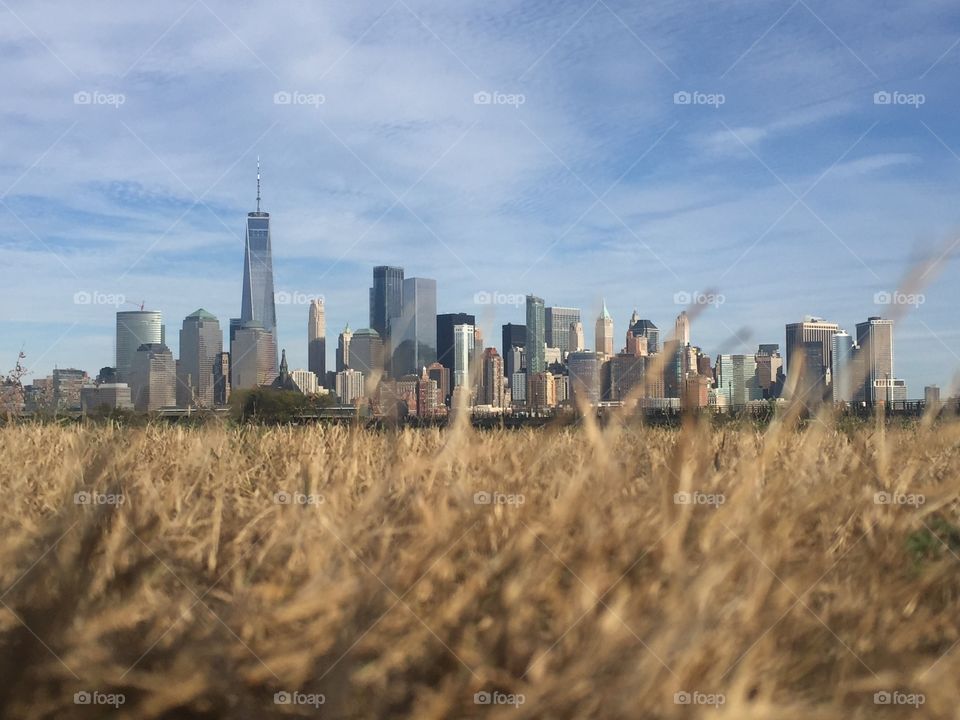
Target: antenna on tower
point(258, 183)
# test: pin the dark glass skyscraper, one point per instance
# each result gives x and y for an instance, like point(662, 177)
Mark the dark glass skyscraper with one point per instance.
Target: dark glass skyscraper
point(258, 303)
point(386, 298)
point(414, 333)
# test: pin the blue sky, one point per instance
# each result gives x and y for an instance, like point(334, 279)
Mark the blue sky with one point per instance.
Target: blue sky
point(785, 183)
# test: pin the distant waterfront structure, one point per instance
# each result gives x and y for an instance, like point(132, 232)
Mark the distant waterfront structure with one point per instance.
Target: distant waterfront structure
point(464, 339)
point(350, 386)
point(201, 341)
point(585, 376)
point(604, 332)
point(841, 368)
point(153, 378)
point(931, 396)
point(67, 383)
point(536, 334)
point(136, 328)
point(257, 302)
point(317, 340)
point(112, 396)
point(343, 349)
point(253, 360)
point(414, 333)
point(557, 322)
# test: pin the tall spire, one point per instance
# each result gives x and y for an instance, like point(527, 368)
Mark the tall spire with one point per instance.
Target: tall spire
point(258, 183)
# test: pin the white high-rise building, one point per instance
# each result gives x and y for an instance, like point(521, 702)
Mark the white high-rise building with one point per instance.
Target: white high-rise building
point(464, 339)
point(349, 386)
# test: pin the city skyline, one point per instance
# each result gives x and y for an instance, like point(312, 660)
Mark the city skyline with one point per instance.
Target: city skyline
point(811, 189)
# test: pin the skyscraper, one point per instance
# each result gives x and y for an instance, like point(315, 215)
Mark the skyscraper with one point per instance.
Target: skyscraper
point(136, 328)
point(445, 342)
point(643, 328)
point(536, 335)
point(491, 392)
point(585, 377)
point(463, 346)
point(366, 355)
point(875, 338)
point(386, 298)
point(415, 332)
point(258, 303)
point(682, 329)
point(737, 379)
point(557, 326)
point(604, 332)
point(201, 340)
point(841, 367)
point(812, 329)
point(317, 340)
point(513, 335)
point(343, 348)
point(576, 342)
point(253, 359)
point(153, 378)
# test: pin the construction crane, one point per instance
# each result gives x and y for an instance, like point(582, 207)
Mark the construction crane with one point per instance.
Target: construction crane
point(140, 305)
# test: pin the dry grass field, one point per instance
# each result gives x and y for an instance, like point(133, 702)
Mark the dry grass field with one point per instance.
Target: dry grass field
point(337, 572)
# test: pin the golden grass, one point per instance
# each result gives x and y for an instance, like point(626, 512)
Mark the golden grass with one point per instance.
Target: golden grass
point(394, 594)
